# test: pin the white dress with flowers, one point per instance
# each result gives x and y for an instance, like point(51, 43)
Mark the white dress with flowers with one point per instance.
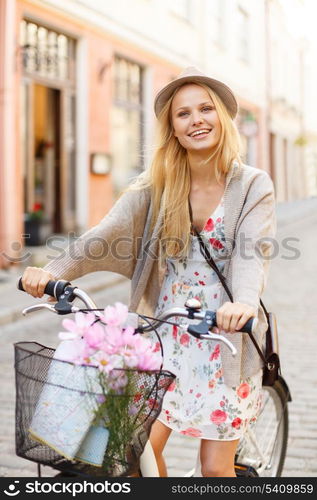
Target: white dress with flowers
point(198, 403)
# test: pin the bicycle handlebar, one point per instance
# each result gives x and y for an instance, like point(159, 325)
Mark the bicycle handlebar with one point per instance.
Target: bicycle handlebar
point(53, 288)
point(65, 293)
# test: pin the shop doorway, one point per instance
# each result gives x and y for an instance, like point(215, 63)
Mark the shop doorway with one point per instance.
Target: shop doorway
point(42, 151)
point(47, 149)
point(48, 118)
point(49, 161)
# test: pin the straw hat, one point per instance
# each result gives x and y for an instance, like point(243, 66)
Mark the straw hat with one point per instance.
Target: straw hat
point(193, 75)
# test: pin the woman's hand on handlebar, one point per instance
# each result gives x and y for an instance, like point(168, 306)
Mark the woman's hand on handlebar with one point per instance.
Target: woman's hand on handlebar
point(35, 279)
point(232, 316)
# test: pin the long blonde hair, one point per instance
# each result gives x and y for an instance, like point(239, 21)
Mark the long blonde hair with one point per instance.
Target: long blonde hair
point(169, 174)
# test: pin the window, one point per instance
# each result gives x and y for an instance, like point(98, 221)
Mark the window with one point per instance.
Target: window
point(126, 123)
point(46, 52)
point(243, 23)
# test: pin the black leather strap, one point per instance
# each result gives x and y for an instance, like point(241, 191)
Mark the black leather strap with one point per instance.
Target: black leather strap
point(207, 255)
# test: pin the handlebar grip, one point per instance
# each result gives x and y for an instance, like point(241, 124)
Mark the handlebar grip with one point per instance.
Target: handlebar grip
point(250, 326)
point(56, 288)
point(53, 288)
point(210, 321)
point(20, 286)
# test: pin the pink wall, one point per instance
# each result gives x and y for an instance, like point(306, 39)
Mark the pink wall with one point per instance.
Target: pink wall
point(10, 190)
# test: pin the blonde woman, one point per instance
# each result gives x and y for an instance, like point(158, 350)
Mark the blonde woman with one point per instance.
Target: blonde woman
point(147, 237)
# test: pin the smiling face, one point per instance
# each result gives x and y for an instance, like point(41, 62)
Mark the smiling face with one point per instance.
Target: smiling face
point(195, 119)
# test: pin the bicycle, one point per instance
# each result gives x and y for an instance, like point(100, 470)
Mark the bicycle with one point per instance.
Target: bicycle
point(261, 451)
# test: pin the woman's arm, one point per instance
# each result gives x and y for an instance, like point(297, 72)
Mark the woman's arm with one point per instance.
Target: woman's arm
point(112, 245)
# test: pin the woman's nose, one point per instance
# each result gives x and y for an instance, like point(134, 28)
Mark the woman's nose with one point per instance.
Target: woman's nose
point(197, 118)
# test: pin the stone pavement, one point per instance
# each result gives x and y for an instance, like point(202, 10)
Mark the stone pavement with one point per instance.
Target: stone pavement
point(291, 293)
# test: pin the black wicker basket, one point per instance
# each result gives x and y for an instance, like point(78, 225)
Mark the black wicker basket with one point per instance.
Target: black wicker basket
point(33, 365)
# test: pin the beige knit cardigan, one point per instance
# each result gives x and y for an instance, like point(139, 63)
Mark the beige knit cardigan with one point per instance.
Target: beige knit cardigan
point(122, 243)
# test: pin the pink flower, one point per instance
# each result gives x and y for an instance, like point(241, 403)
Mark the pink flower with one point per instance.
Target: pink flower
point(212, 384)
point(236, 423)
point(78, 327)
point(243, 390)
point(215, 354)
point(116, 338)
point(95, 335)
point(190, 431)
point(209, 226)
point(110, 348)
point(115, 315)
point(141, 345)
point(218, 416)
point(130, 358)
point(148, 361)
point(198, 395)
point(222, 403)
point(106, 363)
point(102, 361)
point(128, 337)
point(113, 339)
point(184, 339)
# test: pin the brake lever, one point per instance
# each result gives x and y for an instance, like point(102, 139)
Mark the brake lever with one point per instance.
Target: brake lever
point(221, 338)
point(38, 307)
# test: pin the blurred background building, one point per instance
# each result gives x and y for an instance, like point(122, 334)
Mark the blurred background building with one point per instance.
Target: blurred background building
point(77, 82)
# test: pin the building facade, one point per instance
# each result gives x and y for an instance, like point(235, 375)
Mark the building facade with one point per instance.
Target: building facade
point(285, 100)
point(78, 80)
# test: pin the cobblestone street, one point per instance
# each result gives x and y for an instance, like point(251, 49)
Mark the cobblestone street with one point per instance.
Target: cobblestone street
point(291, 293)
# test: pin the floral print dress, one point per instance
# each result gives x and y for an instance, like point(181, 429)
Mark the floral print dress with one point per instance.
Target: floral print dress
point(198, 403)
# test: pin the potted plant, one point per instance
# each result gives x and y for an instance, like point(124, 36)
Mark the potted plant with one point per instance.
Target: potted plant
point(32, 225)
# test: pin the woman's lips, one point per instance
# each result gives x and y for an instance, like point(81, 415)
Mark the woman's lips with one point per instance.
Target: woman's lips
point(200, 136)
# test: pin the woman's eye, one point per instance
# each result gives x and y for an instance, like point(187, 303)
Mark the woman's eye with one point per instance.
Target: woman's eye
point(206, 108)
